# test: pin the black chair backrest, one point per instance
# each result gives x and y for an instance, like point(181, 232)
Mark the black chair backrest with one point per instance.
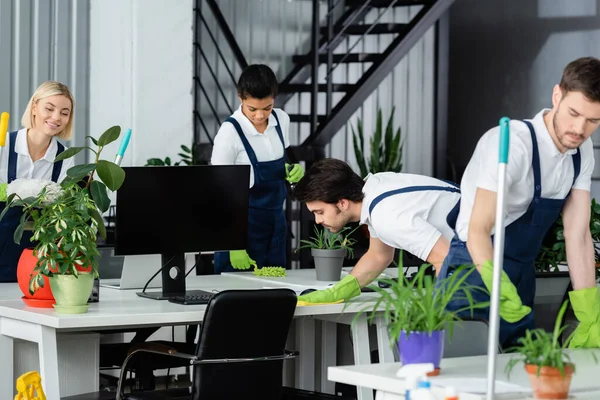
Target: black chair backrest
point(238, 324)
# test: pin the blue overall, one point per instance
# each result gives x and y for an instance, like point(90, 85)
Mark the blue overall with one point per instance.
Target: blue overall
point(9, 250)
point(522, 242)
point(266, 218)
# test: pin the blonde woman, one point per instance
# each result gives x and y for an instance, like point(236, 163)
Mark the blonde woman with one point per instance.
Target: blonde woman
point(29, 154)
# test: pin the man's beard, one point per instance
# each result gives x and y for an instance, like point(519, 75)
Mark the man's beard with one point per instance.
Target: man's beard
point(561, 136)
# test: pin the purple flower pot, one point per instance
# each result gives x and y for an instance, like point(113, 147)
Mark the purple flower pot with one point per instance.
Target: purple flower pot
point(421, 347)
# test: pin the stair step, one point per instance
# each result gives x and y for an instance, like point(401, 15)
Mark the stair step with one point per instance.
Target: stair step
point(305, 118)
point(385, 3)
point(377, 29)
point(349, 58)
point(298, 87)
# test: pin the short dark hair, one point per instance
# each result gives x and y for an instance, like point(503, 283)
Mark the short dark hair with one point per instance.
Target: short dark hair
point(329, 180)
point(258, 81)
point(582, 75)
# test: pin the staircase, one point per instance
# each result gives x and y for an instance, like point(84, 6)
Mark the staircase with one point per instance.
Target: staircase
point(327, 38)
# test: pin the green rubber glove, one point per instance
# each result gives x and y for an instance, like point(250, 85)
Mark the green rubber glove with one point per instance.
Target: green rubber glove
point(586, 305)
point(240, 259)
point(293, 174)
point(511, 306)
point(345, 289)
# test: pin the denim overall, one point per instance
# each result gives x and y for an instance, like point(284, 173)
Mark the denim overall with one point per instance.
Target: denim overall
point(9, 250)
point(266, 218)
point(522, 242)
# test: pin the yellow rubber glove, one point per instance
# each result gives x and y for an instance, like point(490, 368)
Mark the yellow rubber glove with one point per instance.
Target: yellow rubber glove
point(586, 305)
point(293, 174)
point(344, 290)
point(240, 259)
point(511, 306)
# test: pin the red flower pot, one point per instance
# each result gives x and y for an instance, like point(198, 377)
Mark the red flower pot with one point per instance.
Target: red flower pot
point(43, 297)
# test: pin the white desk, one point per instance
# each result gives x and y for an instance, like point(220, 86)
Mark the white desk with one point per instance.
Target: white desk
point(382, 377)
point(123, 308)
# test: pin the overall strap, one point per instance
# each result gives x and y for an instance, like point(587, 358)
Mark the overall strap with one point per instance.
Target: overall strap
point(247, 147)
point(58, 164)
point(576, 165)
point(278, 129)
point(535, 163)
point(409, 189)
point(12, 158)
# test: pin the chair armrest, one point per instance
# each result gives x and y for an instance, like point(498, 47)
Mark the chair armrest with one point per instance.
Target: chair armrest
point(194, 360)
point(287, 354)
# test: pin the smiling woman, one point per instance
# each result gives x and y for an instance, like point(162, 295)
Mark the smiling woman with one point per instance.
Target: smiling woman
point(30, 154)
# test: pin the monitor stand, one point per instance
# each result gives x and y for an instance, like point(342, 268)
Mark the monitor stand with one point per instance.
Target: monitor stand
point(172, 286)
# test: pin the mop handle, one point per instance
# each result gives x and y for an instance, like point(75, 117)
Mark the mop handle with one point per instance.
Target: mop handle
point(498, 257)
point(3, 128)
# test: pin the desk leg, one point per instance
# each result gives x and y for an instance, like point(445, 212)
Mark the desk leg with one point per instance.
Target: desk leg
point(386, 355)
point(305, 339)
point(49, 362)
point(362, 354)
point(328, 354)
point(7, 385)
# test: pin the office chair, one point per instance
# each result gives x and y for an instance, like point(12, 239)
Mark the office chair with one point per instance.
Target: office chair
point(240, 349)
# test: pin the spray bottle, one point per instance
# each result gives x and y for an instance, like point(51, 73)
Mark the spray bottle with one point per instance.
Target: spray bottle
point(411, 374)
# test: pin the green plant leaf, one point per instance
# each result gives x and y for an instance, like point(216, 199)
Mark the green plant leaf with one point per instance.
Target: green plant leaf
point(101, 227)
point(68, 153)
point(154, 161)
point(111, 174)
point(186, 149)
point(109, 136)
point(79, 171)
point(389, 132)
point(358, 151)
point(98, 192)
point(93, 139)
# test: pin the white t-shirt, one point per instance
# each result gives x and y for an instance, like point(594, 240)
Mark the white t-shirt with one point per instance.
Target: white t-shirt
point(228, 148)
point(556, 170)
point(26, 168)
point(412, 221)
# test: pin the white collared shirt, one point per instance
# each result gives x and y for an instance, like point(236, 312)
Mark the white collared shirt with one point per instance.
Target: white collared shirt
point(26, 168)
point(228, 148)
point(556, 170)
point(412, 221)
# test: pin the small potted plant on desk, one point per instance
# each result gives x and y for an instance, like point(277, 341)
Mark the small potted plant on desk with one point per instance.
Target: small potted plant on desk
point(416, 315)
point(65, 228)
point(546, 360)
point(329, 250)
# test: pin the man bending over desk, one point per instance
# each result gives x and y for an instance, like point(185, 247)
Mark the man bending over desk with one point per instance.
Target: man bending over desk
point(405, 211)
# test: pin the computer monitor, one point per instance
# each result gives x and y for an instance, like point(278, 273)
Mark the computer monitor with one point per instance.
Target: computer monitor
point(176, 210)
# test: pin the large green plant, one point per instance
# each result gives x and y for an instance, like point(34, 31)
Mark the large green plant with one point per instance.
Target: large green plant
point(553, 251)
point(65, 227)
point(386, 147)
point(416, 304)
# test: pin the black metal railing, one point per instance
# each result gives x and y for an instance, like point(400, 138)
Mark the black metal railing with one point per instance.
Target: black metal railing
point(201, 60)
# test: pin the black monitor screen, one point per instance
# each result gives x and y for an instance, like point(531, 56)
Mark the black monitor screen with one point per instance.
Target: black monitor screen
point(168, 210)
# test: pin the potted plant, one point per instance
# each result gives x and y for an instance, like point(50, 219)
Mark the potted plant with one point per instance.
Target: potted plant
point(415, 310)
point(329, 250)
point(66, 227)
point(546, 360)
point(386, 148)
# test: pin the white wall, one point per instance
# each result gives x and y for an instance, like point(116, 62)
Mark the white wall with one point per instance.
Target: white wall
point(141, 74)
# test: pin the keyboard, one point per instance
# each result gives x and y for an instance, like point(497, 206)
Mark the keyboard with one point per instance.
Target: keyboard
point(193, 297)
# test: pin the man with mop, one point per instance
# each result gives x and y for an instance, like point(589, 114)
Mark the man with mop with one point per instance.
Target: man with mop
point(406, 211)
point(549, 169)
